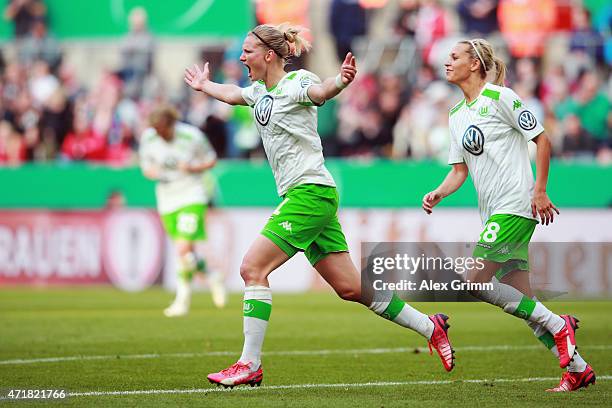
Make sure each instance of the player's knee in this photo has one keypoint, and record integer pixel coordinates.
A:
(250, 272)
(188, 261)
(349, 293)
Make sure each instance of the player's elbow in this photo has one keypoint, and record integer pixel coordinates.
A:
(460, 171)
(542, 140)
(316, 94)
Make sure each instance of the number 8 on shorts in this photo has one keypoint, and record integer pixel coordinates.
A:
(490, 233)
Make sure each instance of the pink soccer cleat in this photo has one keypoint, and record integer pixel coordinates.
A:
(439, 340)
(237, 374)
(574, 381)
(566, 341)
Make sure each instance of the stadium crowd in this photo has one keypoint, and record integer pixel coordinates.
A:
(559, 54)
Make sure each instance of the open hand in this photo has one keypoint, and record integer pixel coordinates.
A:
(541, 205)
(196, 77)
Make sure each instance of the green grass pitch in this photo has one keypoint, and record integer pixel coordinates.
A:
(319, 352)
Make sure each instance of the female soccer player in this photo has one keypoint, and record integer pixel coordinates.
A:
(490, 130)
(176, 155)
(284, 106)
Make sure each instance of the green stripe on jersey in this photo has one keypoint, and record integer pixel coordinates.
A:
(395, 307)
(257, 309)
(292, 75)
(489, 93)
(456, 108)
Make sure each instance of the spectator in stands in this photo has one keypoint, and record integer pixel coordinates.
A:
(412, 132)
(554, 87)
(356, 104)
(12, 145)
(241, 134)
(525, 25)
(577, 142)
(137, 52)
(115, 200)
(347, 21)
(24, 118)
(527, 74)
(405, 25)
(479, 17)
(210, 116)
(23, 14)
(432, 24)
(40, 46)
(55, 119)
(42, 83)
(584, 38)
(113, 117)
(13, 83)
(82, 143)
(591, 106)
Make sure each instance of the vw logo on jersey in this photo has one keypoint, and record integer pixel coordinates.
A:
(263, 109)
(305, 81)
(473, 140)
(527, 121)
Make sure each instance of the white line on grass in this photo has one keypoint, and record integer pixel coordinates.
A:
(283, 353)
(305, 386)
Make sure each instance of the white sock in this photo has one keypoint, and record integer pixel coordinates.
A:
(577, 365)
(183, 291)
(516, 303)
(391, 307)
(257, 308)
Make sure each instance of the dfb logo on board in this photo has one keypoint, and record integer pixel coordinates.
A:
(473, 140)
(527, 121)
(263, 109)
(132, 251)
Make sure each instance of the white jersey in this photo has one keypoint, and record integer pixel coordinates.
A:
(490, 136)
(286, 120)
(176, 189)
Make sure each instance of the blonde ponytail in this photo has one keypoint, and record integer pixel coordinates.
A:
(297, 43)
(500, 71)
(285, 40)
(482, 51)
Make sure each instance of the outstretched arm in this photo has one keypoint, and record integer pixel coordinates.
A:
(199, 79)
(454, 179)
(331, 87)
(541, 204)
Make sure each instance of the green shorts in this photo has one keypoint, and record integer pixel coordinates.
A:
(505, 240)
(307, 220)
(186, 223)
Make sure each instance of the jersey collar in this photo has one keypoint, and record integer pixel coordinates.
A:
(469, 105)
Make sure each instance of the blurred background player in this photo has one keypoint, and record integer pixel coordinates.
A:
(176, 155)
(284, 106)
(490, 130)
